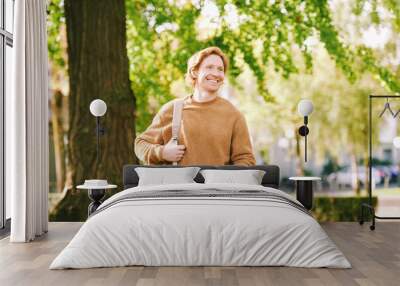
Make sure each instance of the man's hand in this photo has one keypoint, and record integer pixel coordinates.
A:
(173, 152)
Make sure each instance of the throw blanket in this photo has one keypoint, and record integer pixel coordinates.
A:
(201, 224)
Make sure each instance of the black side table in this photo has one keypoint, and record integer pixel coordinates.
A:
(304, 190)
(96, 194)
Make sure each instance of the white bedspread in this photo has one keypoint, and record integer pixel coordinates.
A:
(182, 231)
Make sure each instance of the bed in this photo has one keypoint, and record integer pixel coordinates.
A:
(198, 224)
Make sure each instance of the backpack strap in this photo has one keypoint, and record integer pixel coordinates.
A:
(177, 118)
(176, 121)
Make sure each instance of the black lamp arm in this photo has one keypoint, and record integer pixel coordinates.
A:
(305, 148)
(305, 138)
(303, 131)
(99, 132)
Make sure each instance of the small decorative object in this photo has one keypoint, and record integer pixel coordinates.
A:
(96, 184)
(98, 108)
(96, 191)
(305, 108)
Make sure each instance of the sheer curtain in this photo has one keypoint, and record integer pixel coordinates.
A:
(27, 124)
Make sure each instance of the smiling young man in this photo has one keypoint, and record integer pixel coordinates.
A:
(213, 131)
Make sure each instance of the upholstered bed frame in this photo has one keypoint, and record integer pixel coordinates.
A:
(201, 225)
(270, 179)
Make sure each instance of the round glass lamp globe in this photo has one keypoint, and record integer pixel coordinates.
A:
(305, 107)
(98, 107)
(396, 142)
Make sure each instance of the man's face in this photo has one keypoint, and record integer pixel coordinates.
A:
(210, 74)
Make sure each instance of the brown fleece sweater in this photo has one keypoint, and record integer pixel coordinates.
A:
(214, 133)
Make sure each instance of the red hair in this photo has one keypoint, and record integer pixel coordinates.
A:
(195, 61)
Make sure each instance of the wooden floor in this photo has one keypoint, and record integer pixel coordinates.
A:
(375, 256)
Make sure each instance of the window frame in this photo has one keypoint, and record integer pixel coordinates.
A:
(6, 39)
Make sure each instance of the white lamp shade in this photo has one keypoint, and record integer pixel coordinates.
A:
(396, 142)
(305, 107)
(98, 107)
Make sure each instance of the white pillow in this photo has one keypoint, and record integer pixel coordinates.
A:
(249, 177)
(162, 176)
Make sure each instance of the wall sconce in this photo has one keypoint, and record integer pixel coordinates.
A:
(98, 108)
(305, 108)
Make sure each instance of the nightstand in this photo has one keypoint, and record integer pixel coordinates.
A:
(304, 190)
(96, 191)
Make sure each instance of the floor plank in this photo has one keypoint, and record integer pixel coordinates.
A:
(374, 255)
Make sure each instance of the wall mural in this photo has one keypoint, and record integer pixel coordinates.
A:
(219, 83)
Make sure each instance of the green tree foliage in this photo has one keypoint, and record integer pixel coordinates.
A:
(55, 21)
(162, 35)
(266, 38)
(338, 125)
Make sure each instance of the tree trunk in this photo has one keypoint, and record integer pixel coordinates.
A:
(56, 105)
(98, 68)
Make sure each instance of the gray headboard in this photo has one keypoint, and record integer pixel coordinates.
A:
(270, 179)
